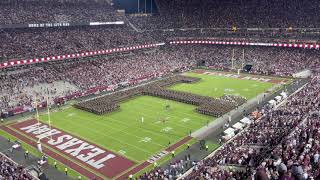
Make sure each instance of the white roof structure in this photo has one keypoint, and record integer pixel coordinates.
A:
(246, 120)
(284, 95)
(229, 131)
(227, 137)
(278, 98)
(272, 102)
(238, 125)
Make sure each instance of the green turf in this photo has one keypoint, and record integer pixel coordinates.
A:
(217, 86)
(123, 132)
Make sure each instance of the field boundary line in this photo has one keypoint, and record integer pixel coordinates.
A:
(126, 127)
(58, 153)
(117, 139)
(37, 156)
(110, 149)
(105, 135)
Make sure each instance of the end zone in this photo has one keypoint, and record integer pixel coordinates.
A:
(80, 155)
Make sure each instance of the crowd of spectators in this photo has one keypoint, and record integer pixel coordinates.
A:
(172, 13)
(11, 171)
(175, 169)
(226, 14)
(124, 69)
(38, 11)
(44, 42)
(264, 60)
(87, 74)
(298, 154)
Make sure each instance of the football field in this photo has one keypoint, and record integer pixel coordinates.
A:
(124, 132)
(143, 127)
(217, 86)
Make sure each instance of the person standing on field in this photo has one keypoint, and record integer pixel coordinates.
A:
(66, 171)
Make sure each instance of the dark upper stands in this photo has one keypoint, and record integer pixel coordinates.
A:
(229, 13)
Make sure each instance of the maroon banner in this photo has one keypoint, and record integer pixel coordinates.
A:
(73, 56)
(289, 45)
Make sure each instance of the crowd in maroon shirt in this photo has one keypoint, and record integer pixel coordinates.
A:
(11, 171)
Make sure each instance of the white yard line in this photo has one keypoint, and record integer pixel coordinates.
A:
(181, 126)
(103, 135)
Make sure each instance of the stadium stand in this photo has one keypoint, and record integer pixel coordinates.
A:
(11, 170)
(232, 13)
(80, 76)
(282, 144)
(44, 42)
(37, 11)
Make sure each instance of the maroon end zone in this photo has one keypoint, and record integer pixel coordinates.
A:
(256, 77)
(87, 154)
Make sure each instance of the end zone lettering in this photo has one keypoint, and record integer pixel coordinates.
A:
(87, 158)
(73, 146)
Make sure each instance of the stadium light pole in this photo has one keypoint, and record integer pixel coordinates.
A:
(145, 6)
(151, 6)
(138, 6)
